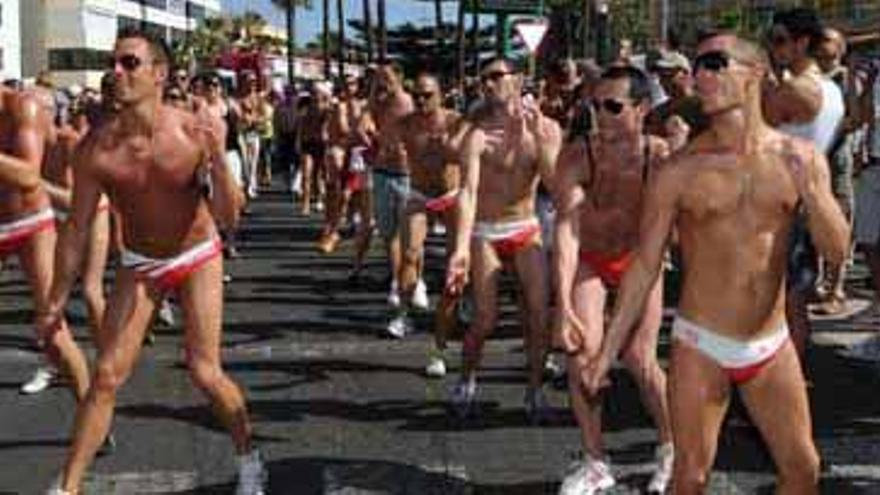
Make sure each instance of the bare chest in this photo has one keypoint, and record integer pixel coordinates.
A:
(143, 168)
(509, 153)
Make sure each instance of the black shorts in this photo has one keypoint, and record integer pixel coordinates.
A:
(315, 149)
(803, 260)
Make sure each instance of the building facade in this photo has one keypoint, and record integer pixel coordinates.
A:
(73, 38)
(10, 40)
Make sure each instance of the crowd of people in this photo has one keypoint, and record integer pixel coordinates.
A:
(745, 165)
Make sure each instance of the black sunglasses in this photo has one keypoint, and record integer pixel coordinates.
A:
(493, 76)
(425, 95)
(610, 105)
(174, 96)
(129, 63)
(714, 61)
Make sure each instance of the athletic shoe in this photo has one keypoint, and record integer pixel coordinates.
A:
(587, 477)
(55, 488)
(436, 365)
(394, 295)
(251, 474)
(438, 229)
(553, 369)
(327, 243)
(319, 206)
(537, 408)
(420, 296)
(463, 396)
(399, 326)
(41, 380)
(166, 314)
(665, 455)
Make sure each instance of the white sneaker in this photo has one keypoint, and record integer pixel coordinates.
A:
(420, 296)
(319, 206)
(41, 380)
(251, 475)
(436, 365)
(438, 229)
(399, 326)
(665, 456)
(463, 396)
(55, 488)
(587, 477)
(394, 295)
(166, 313)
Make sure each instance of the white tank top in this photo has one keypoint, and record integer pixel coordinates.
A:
(822, 129)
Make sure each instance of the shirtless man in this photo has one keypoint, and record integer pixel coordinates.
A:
(431, 137)
(391, 181)
(343, 119)
(27, 224)
(148, 158)
(732, 194)
(600, 190)
(803, 103)
(507, 151)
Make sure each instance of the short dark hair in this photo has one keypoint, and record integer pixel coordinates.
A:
(801, 22)
(639, 86)
(510, 64)
(158, 48)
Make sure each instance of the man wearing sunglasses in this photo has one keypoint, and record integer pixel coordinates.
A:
(732, 194)
(601, 186)
(152, 159)
(509, 149)
(27, 229)
(680, 117)
(431, 137)
(802, 102)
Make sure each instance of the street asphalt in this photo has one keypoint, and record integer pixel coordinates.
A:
(339, 409)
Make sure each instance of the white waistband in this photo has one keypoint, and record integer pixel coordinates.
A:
(155, 267)
(727, 352)
(32, 219)
(496, 231)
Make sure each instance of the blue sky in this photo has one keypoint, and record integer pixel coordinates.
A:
(308, 22)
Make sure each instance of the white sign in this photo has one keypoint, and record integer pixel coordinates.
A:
(532, 32)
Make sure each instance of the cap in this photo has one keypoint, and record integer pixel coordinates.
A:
(672, 60)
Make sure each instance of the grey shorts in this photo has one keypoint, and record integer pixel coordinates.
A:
(389, 191)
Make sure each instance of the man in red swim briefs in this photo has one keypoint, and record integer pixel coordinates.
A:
(164, 172)
(602, 180)
(732, 195)
(509, 148)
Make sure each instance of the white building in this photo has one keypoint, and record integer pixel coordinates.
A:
(10, 40)
(73, 38)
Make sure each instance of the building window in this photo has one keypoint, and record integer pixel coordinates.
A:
(156, 4)
(65, 59)
(177, 7)
(151, 28)
(195, 11)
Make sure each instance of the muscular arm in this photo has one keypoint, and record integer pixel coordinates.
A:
(224, 202)
(73, 242)
(827, 225)
(467, 197)
(30, 137)
(18, 173)
(658, 216)
(568, 198)
(549, 143)
(792, 101)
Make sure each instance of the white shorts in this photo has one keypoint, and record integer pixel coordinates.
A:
(867, 218)
(233, 161)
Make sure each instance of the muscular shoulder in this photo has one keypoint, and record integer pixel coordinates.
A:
(27, 109)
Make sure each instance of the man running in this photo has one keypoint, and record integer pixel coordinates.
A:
(150, 158)
(732, 194)
(508, 150)
(27, 228)
(313, 136)
(431, 137)
(600, 189)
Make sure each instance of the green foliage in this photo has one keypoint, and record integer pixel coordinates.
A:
(215, 35)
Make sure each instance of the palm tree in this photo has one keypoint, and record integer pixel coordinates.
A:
(368, 30)
(383, 31)
(290, 8)
(340, 49)
(203, 46)
(325, 37)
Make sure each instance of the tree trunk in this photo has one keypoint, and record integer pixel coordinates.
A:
(459, 38)
(438, 34)
(291, 41)
(325, 38)
(340, 49)
(368, 30)
(383, 32)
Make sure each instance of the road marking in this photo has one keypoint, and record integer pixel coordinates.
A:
(141, 482)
